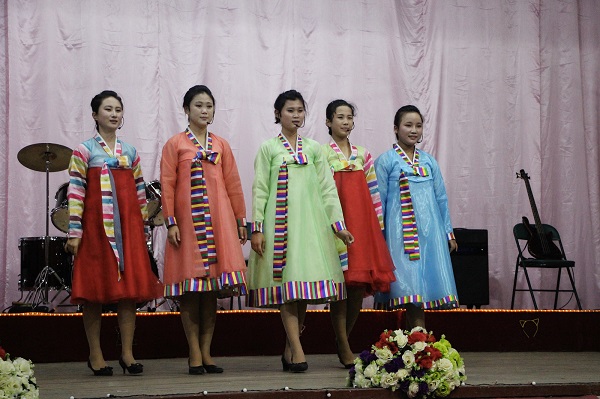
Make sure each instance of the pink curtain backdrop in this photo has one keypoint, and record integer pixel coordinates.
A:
(503, 85)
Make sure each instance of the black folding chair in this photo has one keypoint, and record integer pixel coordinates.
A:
(521, 238)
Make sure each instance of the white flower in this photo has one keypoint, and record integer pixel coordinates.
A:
(433, 385)
(409, 359)
(6, 367)
(400, 338)
(444, 365)
(388, 380)
(384, 354)
(413, 389)
(402, 374)
(419, 346)
(22, 366)
(371, 370)
(362, 382)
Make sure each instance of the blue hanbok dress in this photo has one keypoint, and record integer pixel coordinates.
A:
(423, 277)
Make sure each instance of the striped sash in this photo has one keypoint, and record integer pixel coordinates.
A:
(200, 207)
(111, 219)
(409, 222)
(281, 206)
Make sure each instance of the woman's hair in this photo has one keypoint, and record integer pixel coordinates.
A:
(285, 96)
(98, 98)
(333, 106)
(406, 110)
(193, 92)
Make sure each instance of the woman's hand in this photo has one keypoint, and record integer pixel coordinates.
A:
(72, 245)
(453, 245)
(173, 235)
(243, 234)
(345, 236)
(257, 241)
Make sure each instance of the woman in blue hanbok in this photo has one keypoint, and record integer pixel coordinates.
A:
(418, 230)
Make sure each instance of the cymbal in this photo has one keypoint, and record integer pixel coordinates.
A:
(34, 157)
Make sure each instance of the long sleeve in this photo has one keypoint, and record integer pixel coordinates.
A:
(260, 186)
(331, 200)
(441, 198)
(233, 184)
(140, 186)
(168, 180)
(372, 183)
(78, 167)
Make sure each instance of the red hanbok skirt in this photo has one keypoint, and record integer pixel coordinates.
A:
(369, 260)
(95, 269)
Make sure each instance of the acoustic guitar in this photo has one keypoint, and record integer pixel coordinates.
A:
(539, 244)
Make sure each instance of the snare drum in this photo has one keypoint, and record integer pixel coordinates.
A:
(60, 214)
(153, 198)
(33, 261)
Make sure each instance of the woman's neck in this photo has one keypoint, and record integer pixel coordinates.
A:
(109, 137)
(408, 150)
(199, 132)
(343, 144)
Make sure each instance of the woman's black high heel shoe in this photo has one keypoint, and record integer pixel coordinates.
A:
(285, 364)
(298, 367)
(104, 371)
(133, 368)
(195, 370)
(213, 369)
(346, 365)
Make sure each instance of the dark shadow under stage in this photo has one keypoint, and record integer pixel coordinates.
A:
(505, 352)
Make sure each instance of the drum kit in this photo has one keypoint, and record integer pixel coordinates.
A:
(45, 264)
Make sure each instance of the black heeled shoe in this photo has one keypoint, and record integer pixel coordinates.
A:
(285, 364)
(105, 371)
(195, 370)
(298, 367)
(213, 369)
(133, 368)
(346, 365)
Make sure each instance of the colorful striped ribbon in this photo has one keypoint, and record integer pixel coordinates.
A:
(111, 218)
(342, 157)
(201, 217)
(409, 222)
(281, 206)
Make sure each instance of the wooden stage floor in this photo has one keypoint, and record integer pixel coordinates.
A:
(489, 375)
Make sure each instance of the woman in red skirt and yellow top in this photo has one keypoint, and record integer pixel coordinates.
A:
(370, 267)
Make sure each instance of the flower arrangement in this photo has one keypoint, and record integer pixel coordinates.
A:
(413, 362)
(16, 378)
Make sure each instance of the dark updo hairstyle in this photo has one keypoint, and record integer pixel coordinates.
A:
(285, 96)
(193, 92)
(333, 106)
(98, 98)
(406, 110)
(403, 111)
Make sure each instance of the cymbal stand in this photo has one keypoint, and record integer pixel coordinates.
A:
(40, 293)
(172, 304)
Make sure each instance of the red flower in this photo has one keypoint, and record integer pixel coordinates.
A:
(2, 353)
(384, 341)
(434, 353)
(430, 339)
(425, 362)
(417, 336)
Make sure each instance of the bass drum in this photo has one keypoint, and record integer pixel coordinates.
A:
(33, 261)
(60, 214)
(153, 199)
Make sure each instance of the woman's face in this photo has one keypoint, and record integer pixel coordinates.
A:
(291, 116)
(341, 123)
(201, 111)
(109, 115)
(410, 130)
